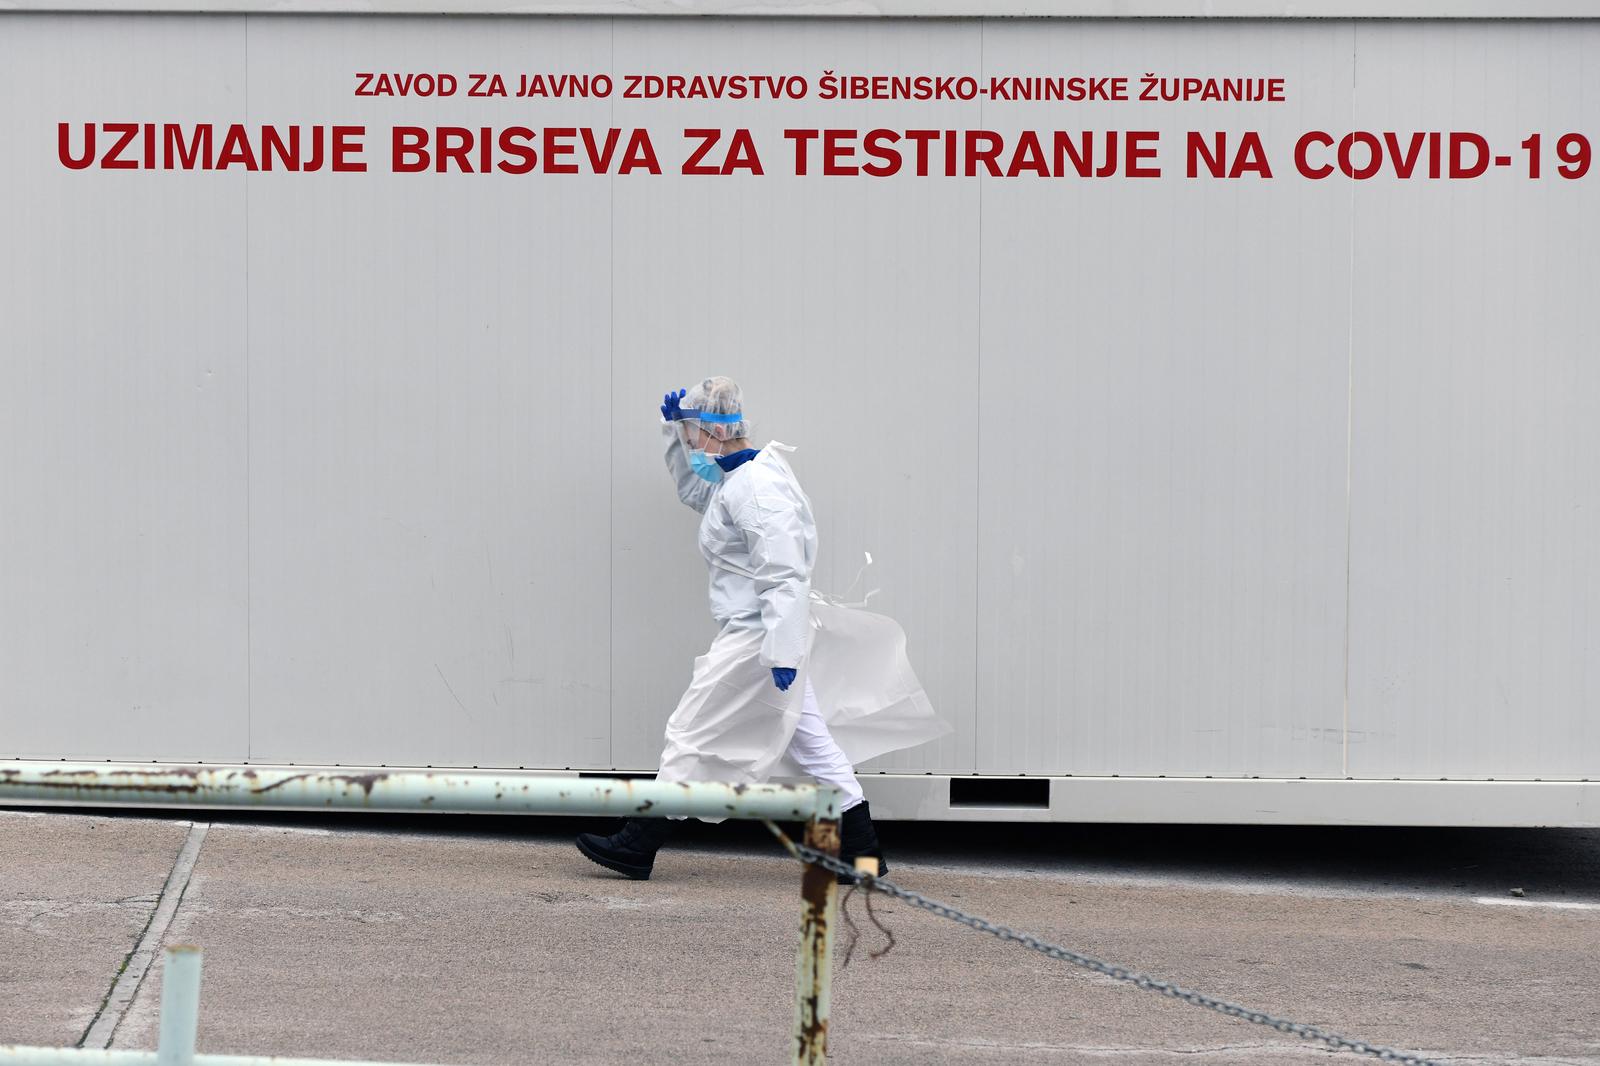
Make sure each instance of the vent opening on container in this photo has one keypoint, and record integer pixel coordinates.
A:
(1031, 792)
(614, 773)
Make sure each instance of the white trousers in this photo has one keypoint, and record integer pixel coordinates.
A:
(814, 750)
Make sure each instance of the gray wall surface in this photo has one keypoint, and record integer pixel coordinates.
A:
(1173, 476)
(864, 9)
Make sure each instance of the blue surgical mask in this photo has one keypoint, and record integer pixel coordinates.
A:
(705, 466)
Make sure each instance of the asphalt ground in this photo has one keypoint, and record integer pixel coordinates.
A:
(491, 940)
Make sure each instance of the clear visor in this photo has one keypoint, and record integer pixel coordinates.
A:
(709, 433)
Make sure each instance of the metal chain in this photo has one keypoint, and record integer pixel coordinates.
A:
(1116, 973)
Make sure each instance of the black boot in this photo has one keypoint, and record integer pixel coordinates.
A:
(857, 839)
(631, 851)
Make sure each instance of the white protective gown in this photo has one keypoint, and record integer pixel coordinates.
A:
(733, 724)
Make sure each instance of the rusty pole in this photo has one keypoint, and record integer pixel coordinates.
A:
(819, 896)
(329, 788)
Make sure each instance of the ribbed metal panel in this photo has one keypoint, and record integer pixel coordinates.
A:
(1162, 562)
(1475, 496)
(903, 9)
(1162, 476)
(850, 320)
(123, 398)
(430, 426)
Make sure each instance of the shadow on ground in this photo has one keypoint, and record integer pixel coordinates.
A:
(1545, 864)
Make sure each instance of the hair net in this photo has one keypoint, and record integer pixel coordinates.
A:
(718, 396)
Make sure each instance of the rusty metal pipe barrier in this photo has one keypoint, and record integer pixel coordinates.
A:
(464, 792)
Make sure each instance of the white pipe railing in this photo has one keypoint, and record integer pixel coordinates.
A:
(444, 792)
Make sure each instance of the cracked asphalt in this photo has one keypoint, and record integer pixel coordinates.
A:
(490, 940)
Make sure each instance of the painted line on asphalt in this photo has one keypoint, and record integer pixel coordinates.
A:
(126, 986)
(1557, 905)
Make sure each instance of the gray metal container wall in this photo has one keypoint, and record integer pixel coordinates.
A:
(1175, 477)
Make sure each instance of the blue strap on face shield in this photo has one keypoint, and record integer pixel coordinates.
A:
(707, 416)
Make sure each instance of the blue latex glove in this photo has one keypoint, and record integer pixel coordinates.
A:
(669, 406)
(783, 677)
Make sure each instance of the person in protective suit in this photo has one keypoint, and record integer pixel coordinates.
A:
(751, 708)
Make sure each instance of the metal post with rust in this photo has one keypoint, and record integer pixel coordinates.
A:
(332, 788)
(819, 893)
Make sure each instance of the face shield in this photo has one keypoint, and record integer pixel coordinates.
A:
(704, 435)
